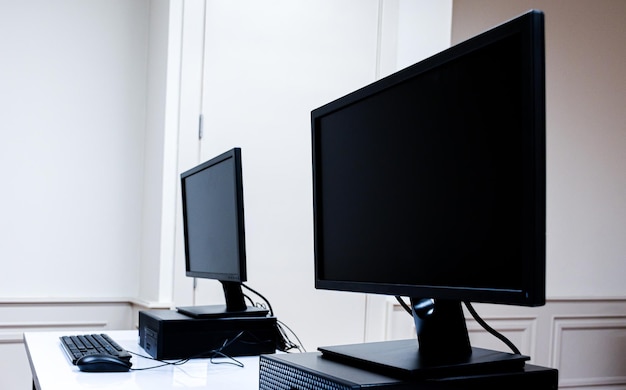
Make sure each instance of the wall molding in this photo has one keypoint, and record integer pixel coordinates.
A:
(597, 326)
(13, 333)
(61, 300)
(41, 325)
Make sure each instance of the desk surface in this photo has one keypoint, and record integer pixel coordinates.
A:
(52, 369)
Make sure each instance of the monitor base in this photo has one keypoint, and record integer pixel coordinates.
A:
(219, 311)
(401, 359)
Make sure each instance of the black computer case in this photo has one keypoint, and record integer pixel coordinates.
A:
(167, 334)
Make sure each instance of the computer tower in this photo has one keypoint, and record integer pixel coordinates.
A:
(311, 371)
(167, 334)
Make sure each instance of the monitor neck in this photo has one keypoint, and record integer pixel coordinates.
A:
(234, 296)
(441, 330)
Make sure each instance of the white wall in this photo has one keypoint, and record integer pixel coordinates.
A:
(161, 152)
(80, 141)
(72, 102)
(412, 30)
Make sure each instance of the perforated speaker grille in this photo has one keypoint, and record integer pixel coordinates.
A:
(274, 375)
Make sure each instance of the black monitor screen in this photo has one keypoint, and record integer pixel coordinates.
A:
(213, 219)
(431, 182)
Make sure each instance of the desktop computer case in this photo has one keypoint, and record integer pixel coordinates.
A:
(311, 371)
(167, 334)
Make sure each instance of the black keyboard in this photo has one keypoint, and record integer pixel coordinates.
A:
(91, 344)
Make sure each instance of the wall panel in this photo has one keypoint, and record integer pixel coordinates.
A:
(590, 350)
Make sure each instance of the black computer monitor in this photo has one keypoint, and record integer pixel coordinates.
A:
(214, 232)
(430, 184)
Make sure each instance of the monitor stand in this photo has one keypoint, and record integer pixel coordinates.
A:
(220, 311)
(443, 350)
(235, 305)
(401, 359)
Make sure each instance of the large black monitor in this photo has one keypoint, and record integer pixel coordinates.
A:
(430, 184)
(214, 232)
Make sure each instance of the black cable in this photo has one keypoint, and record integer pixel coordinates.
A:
(262, 297)
(249, 299)
(226, 344)
(284, 344)
(211, 354)
(489, 329)
(404, 305)
(293, 345)
(164, 363)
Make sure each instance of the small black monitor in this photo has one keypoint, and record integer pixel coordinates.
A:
(214, 232)
(430, 184)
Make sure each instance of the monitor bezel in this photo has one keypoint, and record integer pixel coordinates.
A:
(530, 25)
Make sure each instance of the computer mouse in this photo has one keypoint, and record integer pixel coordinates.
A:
(102, 363)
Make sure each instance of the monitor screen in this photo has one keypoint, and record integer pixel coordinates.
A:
(430, 183)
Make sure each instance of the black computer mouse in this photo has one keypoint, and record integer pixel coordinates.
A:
(102, 363)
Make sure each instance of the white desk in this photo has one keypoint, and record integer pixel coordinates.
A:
(51, 368)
